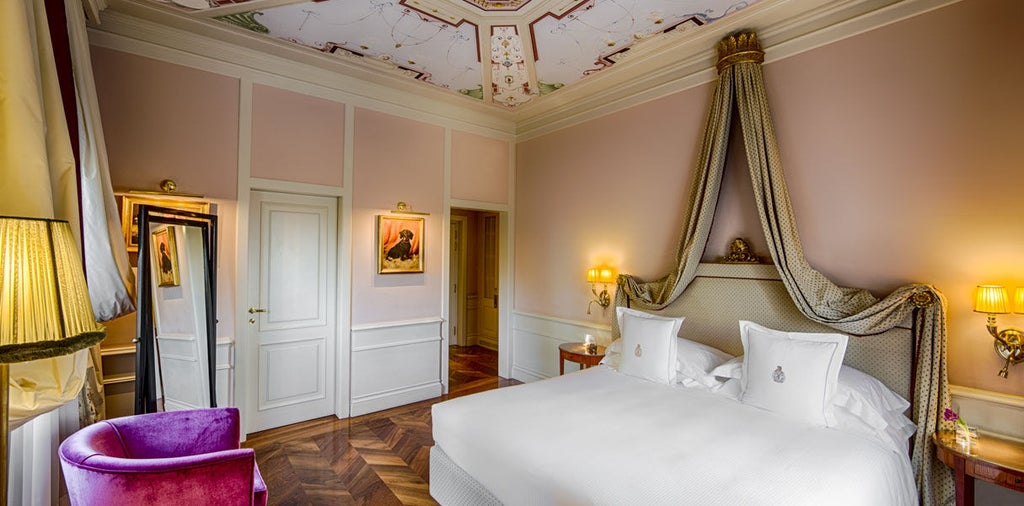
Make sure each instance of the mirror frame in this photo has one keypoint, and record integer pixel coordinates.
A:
(145, 326)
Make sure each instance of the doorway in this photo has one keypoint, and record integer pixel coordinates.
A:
(473, 300)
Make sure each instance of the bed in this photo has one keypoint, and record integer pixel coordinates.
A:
(605, 436)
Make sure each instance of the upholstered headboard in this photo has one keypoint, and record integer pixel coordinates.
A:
(723, 294)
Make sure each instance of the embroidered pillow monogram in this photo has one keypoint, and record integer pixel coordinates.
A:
(778, 376)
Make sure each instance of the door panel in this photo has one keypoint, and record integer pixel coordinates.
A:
(489, 304)
(292, 302)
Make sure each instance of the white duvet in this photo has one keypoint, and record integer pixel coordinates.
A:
(601, 437)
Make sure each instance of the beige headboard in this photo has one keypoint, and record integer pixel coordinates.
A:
(723, 294)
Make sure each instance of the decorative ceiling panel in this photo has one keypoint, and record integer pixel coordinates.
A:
(422, 46)
(588, 38)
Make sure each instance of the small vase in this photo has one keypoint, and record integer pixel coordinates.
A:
(966, 437)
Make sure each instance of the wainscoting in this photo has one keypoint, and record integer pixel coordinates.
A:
(535, 340)
(395, 363)
(119, 377)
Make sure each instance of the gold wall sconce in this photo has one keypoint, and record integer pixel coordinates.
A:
(603, 275)
(993, 300)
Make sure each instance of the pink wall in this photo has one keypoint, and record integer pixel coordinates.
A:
(899, 145)
(479, 168)
(297, 137)
(168, 121)
(395, 160)
(611, 191)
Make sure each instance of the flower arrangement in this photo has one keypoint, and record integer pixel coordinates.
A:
(950, 416)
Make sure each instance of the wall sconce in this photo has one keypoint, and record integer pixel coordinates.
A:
(993, 300)
(603, 275)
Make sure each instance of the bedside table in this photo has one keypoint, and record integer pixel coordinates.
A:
(992, 459)
(577, 352)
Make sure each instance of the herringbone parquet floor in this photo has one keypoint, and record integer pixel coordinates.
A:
(376, 459)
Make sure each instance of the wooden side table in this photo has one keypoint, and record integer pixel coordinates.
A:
(577, 352)
(992, 459)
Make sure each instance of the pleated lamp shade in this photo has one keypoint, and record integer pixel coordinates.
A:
(44, 302)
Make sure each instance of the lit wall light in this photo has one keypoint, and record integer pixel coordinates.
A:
(603, 275)
(993, 300)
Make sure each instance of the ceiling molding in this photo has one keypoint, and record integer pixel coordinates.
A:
(220, 41)
(653, 68)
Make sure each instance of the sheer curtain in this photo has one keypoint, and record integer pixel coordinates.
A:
(851, 310)
(38, 178)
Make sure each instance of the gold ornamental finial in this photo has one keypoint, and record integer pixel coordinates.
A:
(739, 48)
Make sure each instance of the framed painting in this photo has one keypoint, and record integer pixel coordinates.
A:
(130, 215)
(166, 253)
(399, 244)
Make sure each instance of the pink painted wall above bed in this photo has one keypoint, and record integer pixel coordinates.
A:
(396, 159)
(297, 137)
(480, 168)
(900, 146)
(163, 120)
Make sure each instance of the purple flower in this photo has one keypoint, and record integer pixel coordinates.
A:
(950, 416)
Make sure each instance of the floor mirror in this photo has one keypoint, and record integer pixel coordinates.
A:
(176, 324)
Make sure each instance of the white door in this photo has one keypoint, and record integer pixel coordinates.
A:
(292, 291)
(457, 331)
(489, 303)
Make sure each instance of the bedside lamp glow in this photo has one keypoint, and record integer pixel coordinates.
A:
(993, 300)
(603, 275)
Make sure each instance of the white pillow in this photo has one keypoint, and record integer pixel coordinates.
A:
(694, 361)
(730, 369)
(648, 345)
(792, 374)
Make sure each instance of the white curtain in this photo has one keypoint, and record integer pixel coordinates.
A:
(38, 179)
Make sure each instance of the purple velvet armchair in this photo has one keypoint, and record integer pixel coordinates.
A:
(178, 457)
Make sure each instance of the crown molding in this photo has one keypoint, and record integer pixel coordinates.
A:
(363, 84)
(784, 29)
(653, 68)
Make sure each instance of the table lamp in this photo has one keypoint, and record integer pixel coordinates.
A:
(45, 310)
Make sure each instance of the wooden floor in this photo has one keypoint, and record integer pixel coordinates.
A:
(376, 459)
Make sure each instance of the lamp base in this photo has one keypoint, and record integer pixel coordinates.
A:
(1008, 346)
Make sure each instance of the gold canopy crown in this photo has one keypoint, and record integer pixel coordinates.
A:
(739, 48)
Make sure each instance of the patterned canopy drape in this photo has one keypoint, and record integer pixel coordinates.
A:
(849, 310)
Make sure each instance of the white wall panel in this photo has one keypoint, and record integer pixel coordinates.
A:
(395, 363)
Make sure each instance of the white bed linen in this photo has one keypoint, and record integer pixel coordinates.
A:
(600, 437)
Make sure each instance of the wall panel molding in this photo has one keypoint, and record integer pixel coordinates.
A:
(395, 363)
(536, 339)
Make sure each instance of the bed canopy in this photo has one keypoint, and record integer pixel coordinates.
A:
(849, 310)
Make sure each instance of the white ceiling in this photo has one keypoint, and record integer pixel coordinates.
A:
(527, 62)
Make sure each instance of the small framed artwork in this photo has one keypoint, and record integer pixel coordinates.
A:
(399, 244)
(130, 218)
(166, 254)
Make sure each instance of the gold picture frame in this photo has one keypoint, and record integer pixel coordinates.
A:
(165, 250)
(399, 244)
(129, 214)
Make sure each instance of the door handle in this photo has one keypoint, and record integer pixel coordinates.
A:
(495, 301)
(257, 310)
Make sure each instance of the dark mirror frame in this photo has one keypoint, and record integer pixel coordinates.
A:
(145, 356)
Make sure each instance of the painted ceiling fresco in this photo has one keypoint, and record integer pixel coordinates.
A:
(506, 52)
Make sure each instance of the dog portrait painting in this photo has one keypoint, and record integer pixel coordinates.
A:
(399, 244)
